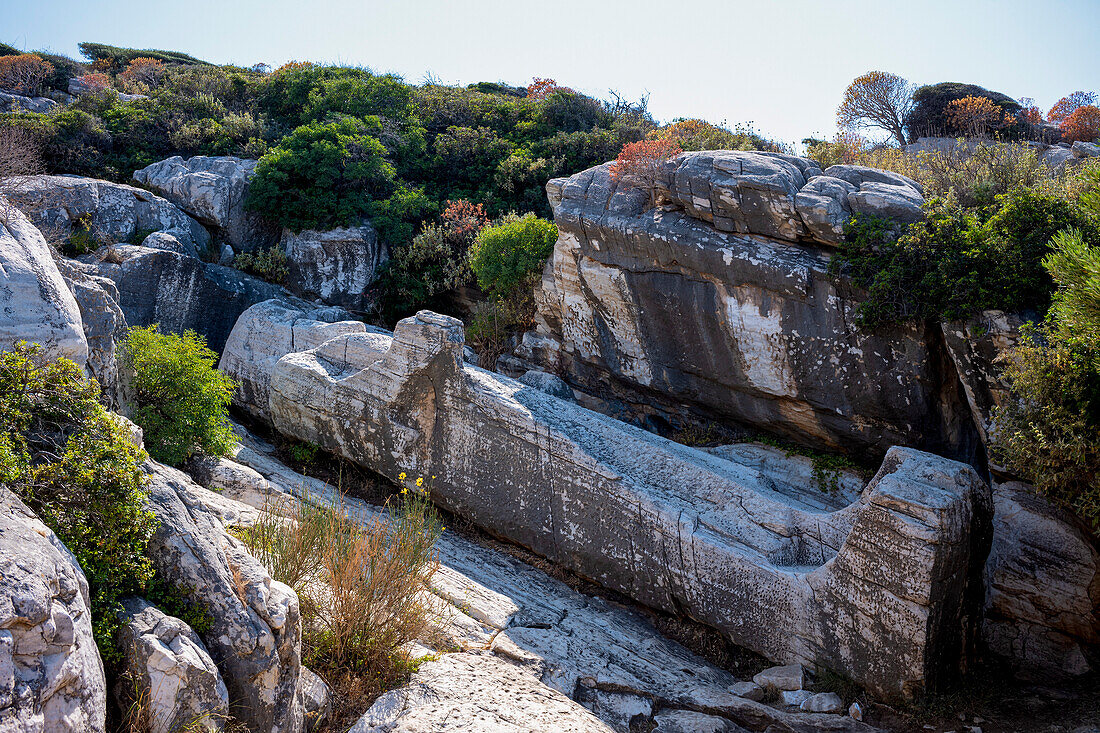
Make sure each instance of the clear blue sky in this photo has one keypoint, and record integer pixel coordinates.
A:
(781, 64)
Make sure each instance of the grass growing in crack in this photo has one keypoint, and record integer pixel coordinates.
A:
(362, 582)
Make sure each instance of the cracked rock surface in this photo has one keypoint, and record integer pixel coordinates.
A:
(607, 661)
(51, 676)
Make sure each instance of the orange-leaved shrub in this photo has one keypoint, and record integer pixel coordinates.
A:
(23, 73)
(543, 88)
(143, 73)
(639, 164)
(978, 116)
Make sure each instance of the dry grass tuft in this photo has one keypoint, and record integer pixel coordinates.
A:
(362, 581)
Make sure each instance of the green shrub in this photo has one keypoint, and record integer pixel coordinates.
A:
(1051, 433)
(269, 264)
(434, 263)
(78, 469)
(180, 398)
(957, 262)
(504, 255)
(118, 57)
(324, 174)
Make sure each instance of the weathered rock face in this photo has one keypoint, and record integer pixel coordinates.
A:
(51, 676)
(35, 304)
(180, 292)
(11, 102)
(678, 316)
(213, 190)
(337, 266)
(975, 347)
(600, 654)
(673, 527)
(103, 321)
(255, 637)
(168, 667)
(111, 211)
(1043, 573)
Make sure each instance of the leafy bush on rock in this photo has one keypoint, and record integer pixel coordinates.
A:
(77, 467)
(322, 175)
(180, 398)
(957, 261)
(504, 255)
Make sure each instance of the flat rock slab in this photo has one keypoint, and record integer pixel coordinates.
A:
(476, 692)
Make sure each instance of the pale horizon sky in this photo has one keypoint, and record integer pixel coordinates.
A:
(781, 65)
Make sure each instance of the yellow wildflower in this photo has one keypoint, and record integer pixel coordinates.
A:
(401, 476)
(420, 482)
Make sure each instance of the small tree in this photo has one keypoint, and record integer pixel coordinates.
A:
(23, 73)
(977, 116)
(180, 398)
(1081, 124)
(1065, 106)
(639, 164)
(878, 99)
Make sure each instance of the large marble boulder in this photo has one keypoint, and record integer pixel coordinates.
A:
(213, 190)
(166, 666)
(737, 191)
(884, 587)
(600, 653)
(337, 266)
(35, 303)
(976, 347)
(179, 292)
(110, 211)
(1043, 604)
(823, 205)
(51, 676)
(254, 636)
(673, 317)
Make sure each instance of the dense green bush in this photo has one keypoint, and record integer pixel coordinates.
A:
(117, 57)
(324, 174)
(180, 398)
(269, 264)
(957, 261)
(505, 255)
(1051, 433)
(78, 469)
